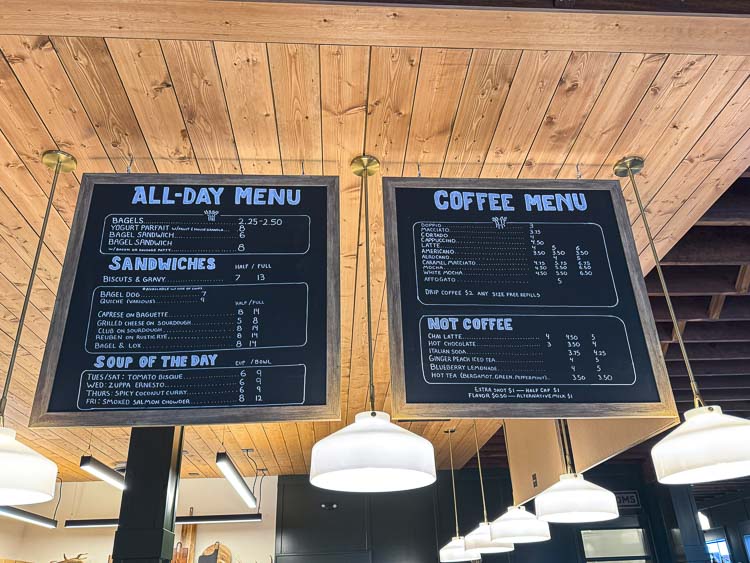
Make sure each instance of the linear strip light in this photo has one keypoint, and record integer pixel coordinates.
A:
(28, 517)
(232, 474)
(220, 518)
(102, 471)
(205, 519)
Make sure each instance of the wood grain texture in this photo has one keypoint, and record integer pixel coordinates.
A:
(459, 112)
(249, 96)
(454, 27)
(40, 72)
(144, 74)
(195, 76)
(533, 87)
(442, 73)
(94, 76)
(579, 87)
(295, 70)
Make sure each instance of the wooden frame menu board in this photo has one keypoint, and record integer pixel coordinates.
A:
(518, 298)
(194, 299)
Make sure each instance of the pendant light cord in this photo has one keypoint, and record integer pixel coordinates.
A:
(697, 399)
(366, 195)
(481, 479)
(562, 426)
(453, 481)
(27, 297)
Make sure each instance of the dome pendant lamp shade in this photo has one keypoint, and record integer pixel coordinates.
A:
(574, 500)
(481, 540)
(708, 446)
(372, 455)
(25, 476)
(455, 550)
(519, 526)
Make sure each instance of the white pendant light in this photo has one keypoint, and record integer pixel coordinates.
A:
(574, 500)
(25, 476)
(708, 446)
(456, 549)
(480, 538)
(371, 455)
(518, 525)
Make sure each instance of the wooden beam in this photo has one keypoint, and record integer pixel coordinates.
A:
(743, 279)
(731, 209)
(687, 281)
(454, 27)
(739, 382)
(715, 307)
(717, 331)
(712, 246)
(710, 368)
(713, 352)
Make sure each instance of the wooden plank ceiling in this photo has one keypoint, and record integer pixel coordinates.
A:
(708, 277)
(255, 108)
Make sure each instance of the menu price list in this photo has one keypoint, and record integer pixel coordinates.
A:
(526, 349)
(192, 387)
(512, 263)
(199, 317)
(211, 233)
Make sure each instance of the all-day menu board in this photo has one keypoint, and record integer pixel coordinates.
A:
(518, 299)
(196, 299)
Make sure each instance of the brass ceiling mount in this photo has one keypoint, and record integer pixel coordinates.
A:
(365, 164)
(632, 163)
(66, 160)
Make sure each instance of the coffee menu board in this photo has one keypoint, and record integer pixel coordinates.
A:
(518, 298)
(196, 299)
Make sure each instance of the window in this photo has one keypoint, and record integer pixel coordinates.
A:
(718, 551)
(624, 545)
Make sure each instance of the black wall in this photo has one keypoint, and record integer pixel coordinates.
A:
(410, 527)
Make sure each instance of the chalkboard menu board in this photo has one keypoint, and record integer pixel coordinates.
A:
(196, 299)
(519, 298)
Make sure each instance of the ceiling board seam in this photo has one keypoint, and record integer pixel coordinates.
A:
(226, 106)
(130, 104)
(411, 114)
(632, 113)
(320, 108)
(275, 108)
(455, 113)
(500, 113)
(522, 161)
(708, 173)
(80, 101)
(10, 198)
(196, 160)
(646, 250)
(591, 112)
(625, 183)
(36, 111)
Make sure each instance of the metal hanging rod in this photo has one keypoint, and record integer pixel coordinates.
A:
(628, 167)
(59, 161)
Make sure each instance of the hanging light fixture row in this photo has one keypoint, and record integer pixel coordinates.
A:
(27, 477)
(456, 549)
(709, 445)
(480, 539)
(371, 455)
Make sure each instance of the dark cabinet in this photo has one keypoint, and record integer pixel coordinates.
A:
(317, 526)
